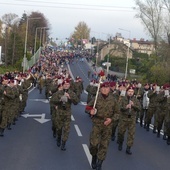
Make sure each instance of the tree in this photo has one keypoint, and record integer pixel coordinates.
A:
(150, 14)
(10, 21)
(13, 36)
(81, 32)
(167, 19)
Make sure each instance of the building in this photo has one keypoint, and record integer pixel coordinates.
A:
(142, 46)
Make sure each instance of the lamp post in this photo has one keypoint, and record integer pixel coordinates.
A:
(40, 36)
(25, 47)
(97, 53)
(108, 64)
(126, 68)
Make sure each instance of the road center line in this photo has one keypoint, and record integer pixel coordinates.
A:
(78, 130)
(86, 150)
(72, 118)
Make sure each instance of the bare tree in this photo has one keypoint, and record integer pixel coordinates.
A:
(150, 14)
(167, 19)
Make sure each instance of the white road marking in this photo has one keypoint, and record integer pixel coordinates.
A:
(151, 127)
(72, 118)
(78, 130)
(86, 150)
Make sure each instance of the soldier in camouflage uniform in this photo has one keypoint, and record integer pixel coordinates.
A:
(145, 104)
(78, 86)
(167, 120)
(153, 107)
(62, 101)
(47, 84)
(15, 106)
(129, 105)
(9, 97)
(52, 106)
(102, 118)
(91, 89)
(25, 83)
(116, 93)
(162, 109)
(2, 116)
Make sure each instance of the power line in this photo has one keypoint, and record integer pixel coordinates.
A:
(64, 7)
(102, 6)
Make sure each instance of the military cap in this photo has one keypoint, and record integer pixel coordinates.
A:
(112, 84)
(130, 88)
(105, 84)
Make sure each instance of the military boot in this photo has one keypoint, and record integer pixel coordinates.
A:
(168, 140)
(164, 137)
(147, 127)
(144, 126)
(1, 132)
(59, 141)
(158, 134)
(9, 126)
(154, 129)
(99, 165)
(63, 146)
(128, 151)
(120, 146)
(54, 131)
(113, 137)
(94, 161)
(141, 123)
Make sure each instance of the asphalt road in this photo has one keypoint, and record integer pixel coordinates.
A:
(31, 146)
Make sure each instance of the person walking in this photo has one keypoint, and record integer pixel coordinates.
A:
(102, 117)
(129, 105)
(63, 99)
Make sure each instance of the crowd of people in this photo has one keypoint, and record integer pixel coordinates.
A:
(136, 103)
(115, 106)
(13, 98)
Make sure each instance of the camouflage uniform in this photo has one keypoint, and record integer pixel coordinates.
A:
(162, 110)
(152, 109)
(1, 110)
(91, 89)
(48, 82)
(127, 120)
(117, 96)
(15, 106)
(78, 88)
(25, 85)
(9, 102)
(101, 134)
(63, 114)
(53, 90)
(167, 120)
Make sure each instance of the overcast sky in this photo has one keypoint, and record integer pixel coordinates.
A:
(103, 17)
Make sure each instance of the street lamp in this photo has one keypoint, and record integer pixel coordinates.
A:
(25, 47)
(35, 43)
(126, 69)
(97, 54)
(108, 64)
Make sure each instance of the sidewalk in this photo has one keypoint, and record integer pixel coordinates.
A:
(98, 69)
(118, 74)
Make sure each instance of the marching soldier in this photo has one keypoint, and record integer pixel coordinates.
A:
(129, 105)
(145, 104)
(152, 108)
(62, 101)
(78, 86)
(9, 97)
(102, 118)
(3, 117)
(91, 89)
(116, 94)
